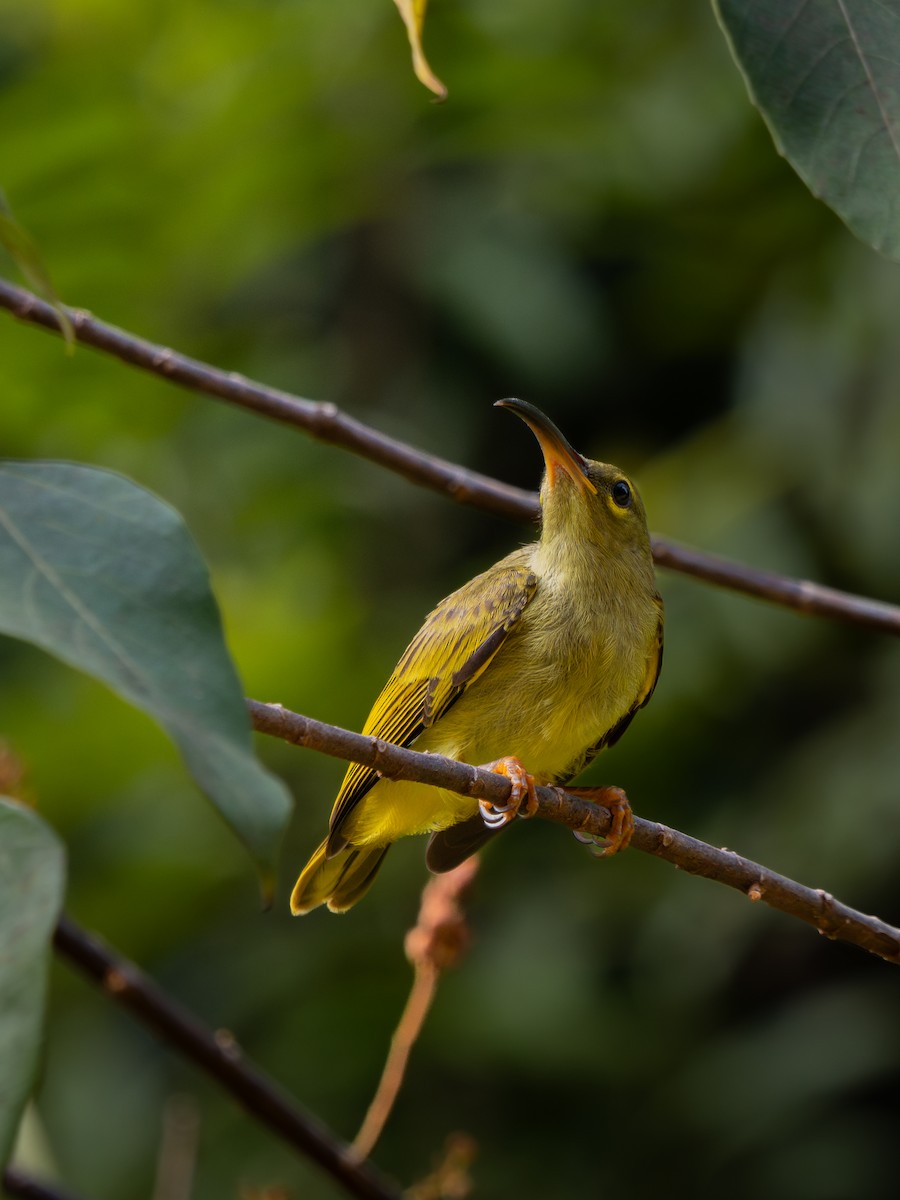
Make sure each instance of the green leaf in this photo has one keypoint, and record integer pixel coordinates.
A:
(32, 871)
(105, 576)
(826, 76)
(23, 250)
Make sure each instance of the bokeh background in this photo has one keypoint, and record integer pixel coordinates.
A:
(596, 221)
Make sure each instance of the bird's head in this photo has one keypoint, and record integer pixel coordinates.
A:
(583, 502)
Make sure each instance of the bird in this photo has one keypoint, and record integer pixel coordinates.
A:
(531, 668)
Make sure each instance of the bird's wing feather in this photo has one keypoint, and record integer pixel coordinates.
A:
(455, 644)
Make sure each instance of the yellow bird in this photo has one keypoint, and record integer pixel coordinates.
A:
(542, 660)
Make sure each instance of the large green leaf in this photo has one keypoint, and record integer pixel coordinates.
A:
(105, 576)
(826, 76)
(32, 869)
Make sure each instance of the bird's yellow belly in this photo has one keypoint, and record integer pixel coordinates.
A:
(398, 808)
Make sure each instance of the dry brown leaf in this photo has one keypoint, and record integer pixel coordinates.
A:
(413, 14)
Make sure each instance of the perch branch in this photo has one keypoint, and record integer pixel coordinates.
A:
(812, 905)
(327, 423)
(219, 1055)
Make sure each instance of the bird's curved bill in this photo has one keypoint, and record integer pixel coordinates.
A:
(558, 454)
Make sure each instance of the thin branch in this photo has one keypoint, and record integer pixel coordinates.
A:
(801, 594)
(176, 1161)
(405, 1036)
(322, 420)
(451, 1178)
(437, 941)
(812, 905)
(327, 423)
(219, 1055)
(26, 1187)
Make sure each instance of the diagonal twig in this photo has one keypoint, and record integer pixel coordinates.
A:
(219, 1055)
(322, 420)
(812, 905)
(327, 423)
(437, 941)
(801, 594)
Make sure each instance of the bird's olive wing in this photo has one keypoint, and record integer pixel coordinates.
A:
(449, 652)
(654, 663)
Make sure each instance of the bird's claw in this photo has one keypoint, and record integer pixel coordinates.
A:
(492, 815)
(621, 827)
(522, 798)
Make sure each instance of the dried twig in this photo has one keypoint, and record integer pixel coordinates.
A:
(219, 1055)
(819, 909)
(176, 1162)
(451, 1178)
(329, 424)
(435, 943)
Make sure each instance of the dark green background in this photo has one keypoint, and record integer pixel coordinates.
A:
(596, 221)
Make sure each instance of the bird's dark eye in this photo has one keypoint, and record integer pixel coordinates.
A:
(621, 494)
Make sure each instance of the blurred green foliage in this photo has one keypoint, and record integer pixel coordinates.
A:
(597, 221)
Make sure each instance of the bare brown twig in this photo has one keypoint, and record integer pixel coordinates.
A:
(176, 1162)
(436, 942)
(329, 424)
(321, 420)
(219, 1055)
(814, 906)
(450, 1179)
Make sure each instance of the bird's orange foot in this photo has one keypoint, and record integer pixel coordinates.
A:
(622, 826)
(522, 799)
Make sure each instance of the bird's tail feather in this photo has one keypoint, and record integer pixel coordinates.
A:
(449, 847)
(338, 881)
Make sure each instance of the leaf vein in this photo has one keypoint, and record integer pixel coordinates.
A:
(41, 568)
(892, 134)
